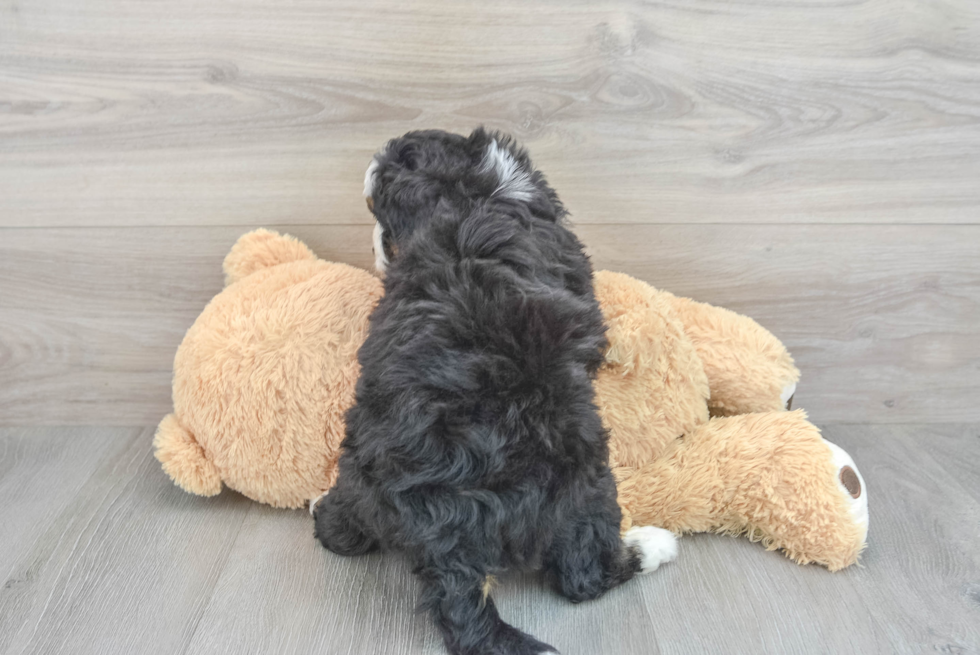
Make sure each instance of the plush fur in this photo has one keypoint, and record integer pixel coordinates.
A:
(768, 475)
(243, 414)
(474, 444)
(277, 383)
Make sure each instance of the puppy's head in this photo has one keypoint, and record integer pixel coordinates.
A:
(416, 176)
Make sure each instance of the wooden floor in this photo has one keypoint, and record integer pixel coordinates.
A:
(102, 554)
(813, 163)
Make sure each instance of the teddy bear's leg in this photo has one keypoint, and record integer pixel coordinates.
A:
(769, 476)
(337, 524)
(749, 369)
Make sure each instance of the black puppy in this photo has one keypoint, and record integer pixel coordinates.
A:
(474, 445)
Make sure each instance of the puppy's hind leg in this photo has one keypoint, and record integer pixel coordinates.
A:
(456, 595)
(337, 526)
(588, 557)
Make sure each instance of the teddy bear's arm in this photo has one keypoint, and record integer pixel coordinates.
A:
(652, 386)
(748, 369)
(769, 476)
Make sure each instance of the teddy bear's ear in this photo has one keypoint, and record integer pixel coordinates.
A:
(184, 460)
(261, 249)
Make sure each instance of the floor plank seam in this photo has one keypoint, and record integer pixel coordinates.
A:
(217, 580)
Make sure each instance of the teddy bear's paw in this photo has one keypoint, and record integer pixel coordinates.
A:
(787, 396)
(851, 485)
(655, 545)
(316, 501)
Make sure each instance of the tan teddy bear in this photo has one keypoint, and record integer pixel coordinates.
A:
(265, 374)
(758, 470)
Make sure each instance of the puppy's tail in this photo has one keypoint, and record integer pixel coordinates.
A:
(462, 608)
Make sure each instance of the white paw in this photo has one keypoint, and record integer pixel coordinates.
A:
(787, 394)
(316, 501)
(656, 546)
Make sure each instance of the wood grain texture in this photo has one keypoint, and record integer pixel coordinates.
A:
(928, 504)
(91, 319)
(242, 112)
(127, 563)
(881, 319)
(39, 476)
(123, 565)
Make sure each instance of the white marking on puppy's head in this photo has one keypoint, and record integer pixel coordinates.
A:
(859, 505)
(369, 177)
(514, 182)
(380, 260)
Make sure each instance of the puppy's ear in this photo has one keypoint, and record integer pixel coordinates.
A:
(480, 138)
(517, 179)
(512, 170)
(371, 180)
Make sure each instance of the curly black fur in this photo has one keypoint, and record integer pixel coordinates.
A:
(474, 444)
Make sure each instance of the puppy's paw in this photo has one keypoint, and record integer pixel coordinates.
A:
(316, 501)
(655, 546)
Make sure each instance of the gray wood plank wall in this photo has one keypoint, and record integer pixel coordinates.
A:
(883, 320)
(816, 166)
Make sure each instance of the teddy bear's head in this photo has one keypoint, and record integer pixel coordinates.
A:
(264, 376)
